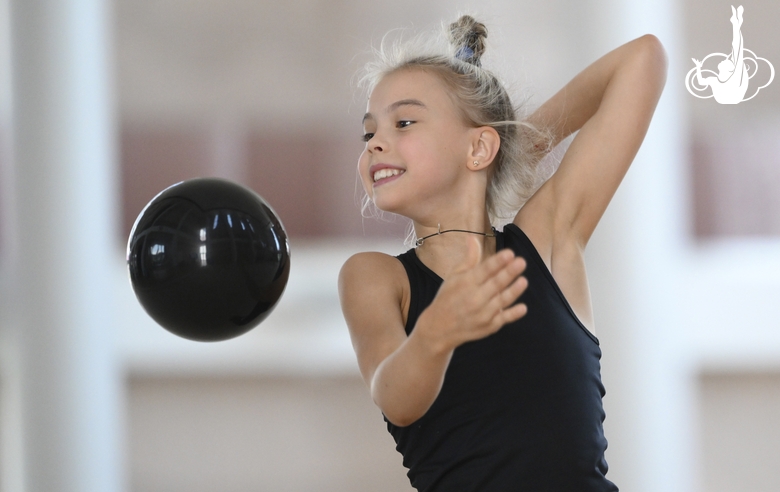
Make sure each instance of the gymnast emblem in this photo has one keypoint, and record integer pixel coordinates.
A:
(735, 70)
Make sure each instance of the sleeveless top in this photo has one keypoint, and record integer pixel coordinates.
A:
(520, 410)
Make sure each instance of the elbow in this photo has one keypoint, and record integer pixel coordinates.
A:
(649, 63)
(399, 421)
(653, 54)
(653, 45)
(396, 416)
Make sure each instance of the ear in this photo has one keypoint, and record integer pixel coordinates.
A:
(485, 143)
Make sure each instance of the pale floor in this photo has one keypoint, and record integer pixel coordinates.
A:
(740, 422)
(240, 435)
(296, 434)
(326, 435)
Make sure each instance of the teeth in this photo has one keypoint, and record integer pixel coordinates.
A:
(386, 173)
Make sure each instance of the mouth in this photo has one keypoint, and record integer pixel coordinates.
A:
(386, 173)
(382, 173)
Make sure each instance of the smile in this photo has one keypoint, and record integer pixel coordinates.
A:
(387, 173)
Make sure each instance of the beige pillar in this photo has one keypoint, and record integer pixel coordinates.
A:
(636, 259)
(65, 378)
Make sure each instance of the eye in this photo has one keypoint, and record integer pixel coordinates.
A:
(366, 137)
(404, 123)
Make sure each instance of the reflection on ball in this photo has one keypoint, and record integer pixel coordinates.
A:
(208, 259)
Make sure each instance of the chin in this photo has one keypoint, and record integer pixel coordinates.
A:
(389, 206)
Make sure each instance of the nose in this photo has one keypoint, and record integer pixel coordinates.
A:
(376, 144)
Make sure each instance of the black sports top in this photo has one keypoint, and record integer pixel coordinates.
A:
(519, 410)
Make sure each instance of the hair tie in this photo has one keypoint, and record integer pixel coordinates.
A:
(466, 54)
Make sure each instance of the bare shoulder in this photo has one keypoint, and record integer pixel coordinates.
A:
(374, 294)
(371, 270)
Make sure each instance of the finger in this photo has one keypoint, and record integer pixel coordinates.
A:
(490, 267)
(473, 255)
(491, 305)
(505, 306)
(510, 315)
(503, 277)
(515, 312)
(506, 297)
(514, 291)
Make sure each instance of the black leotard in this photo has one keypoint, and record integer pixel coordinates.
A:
(519, 410)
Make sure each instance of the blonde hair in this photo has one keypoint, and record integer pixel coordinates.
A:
(482, 100)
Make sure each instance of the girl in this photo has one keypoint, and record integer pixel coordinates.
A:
(478, 344)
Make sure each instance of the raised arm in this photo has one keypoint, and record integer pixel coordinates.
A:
(611, 104)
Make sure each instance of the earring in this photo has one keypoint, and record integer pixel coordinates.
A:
(476, 163)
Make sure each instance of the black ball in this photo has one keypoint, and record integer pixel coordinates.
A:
(208, 259)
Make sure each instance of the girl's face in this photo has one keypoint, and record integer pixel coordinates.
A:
(417, 144)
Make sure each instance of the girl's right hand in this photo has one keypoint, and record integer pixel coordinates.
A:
(476, 300)
(406, 373)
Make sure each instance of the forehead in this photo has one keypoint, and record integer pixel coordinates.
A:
(409, 84)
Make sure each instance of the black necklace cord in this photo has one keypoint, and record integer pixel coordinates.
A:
(420, 241)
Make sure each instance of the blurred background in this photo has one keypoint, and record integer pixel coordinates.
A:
(685, 267)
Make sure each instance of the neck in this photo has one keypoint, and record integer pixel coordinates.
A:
(444, 253)
(439, 232)
(471, 220)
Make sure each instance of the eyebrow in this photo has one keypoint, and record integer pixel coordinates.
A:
(396, 105)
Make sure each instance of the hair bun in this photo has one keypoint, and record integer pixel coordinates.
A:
(468, 38)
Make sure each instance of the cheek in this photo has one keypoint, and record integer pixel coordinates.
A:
(362, 169)
(437, 157)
